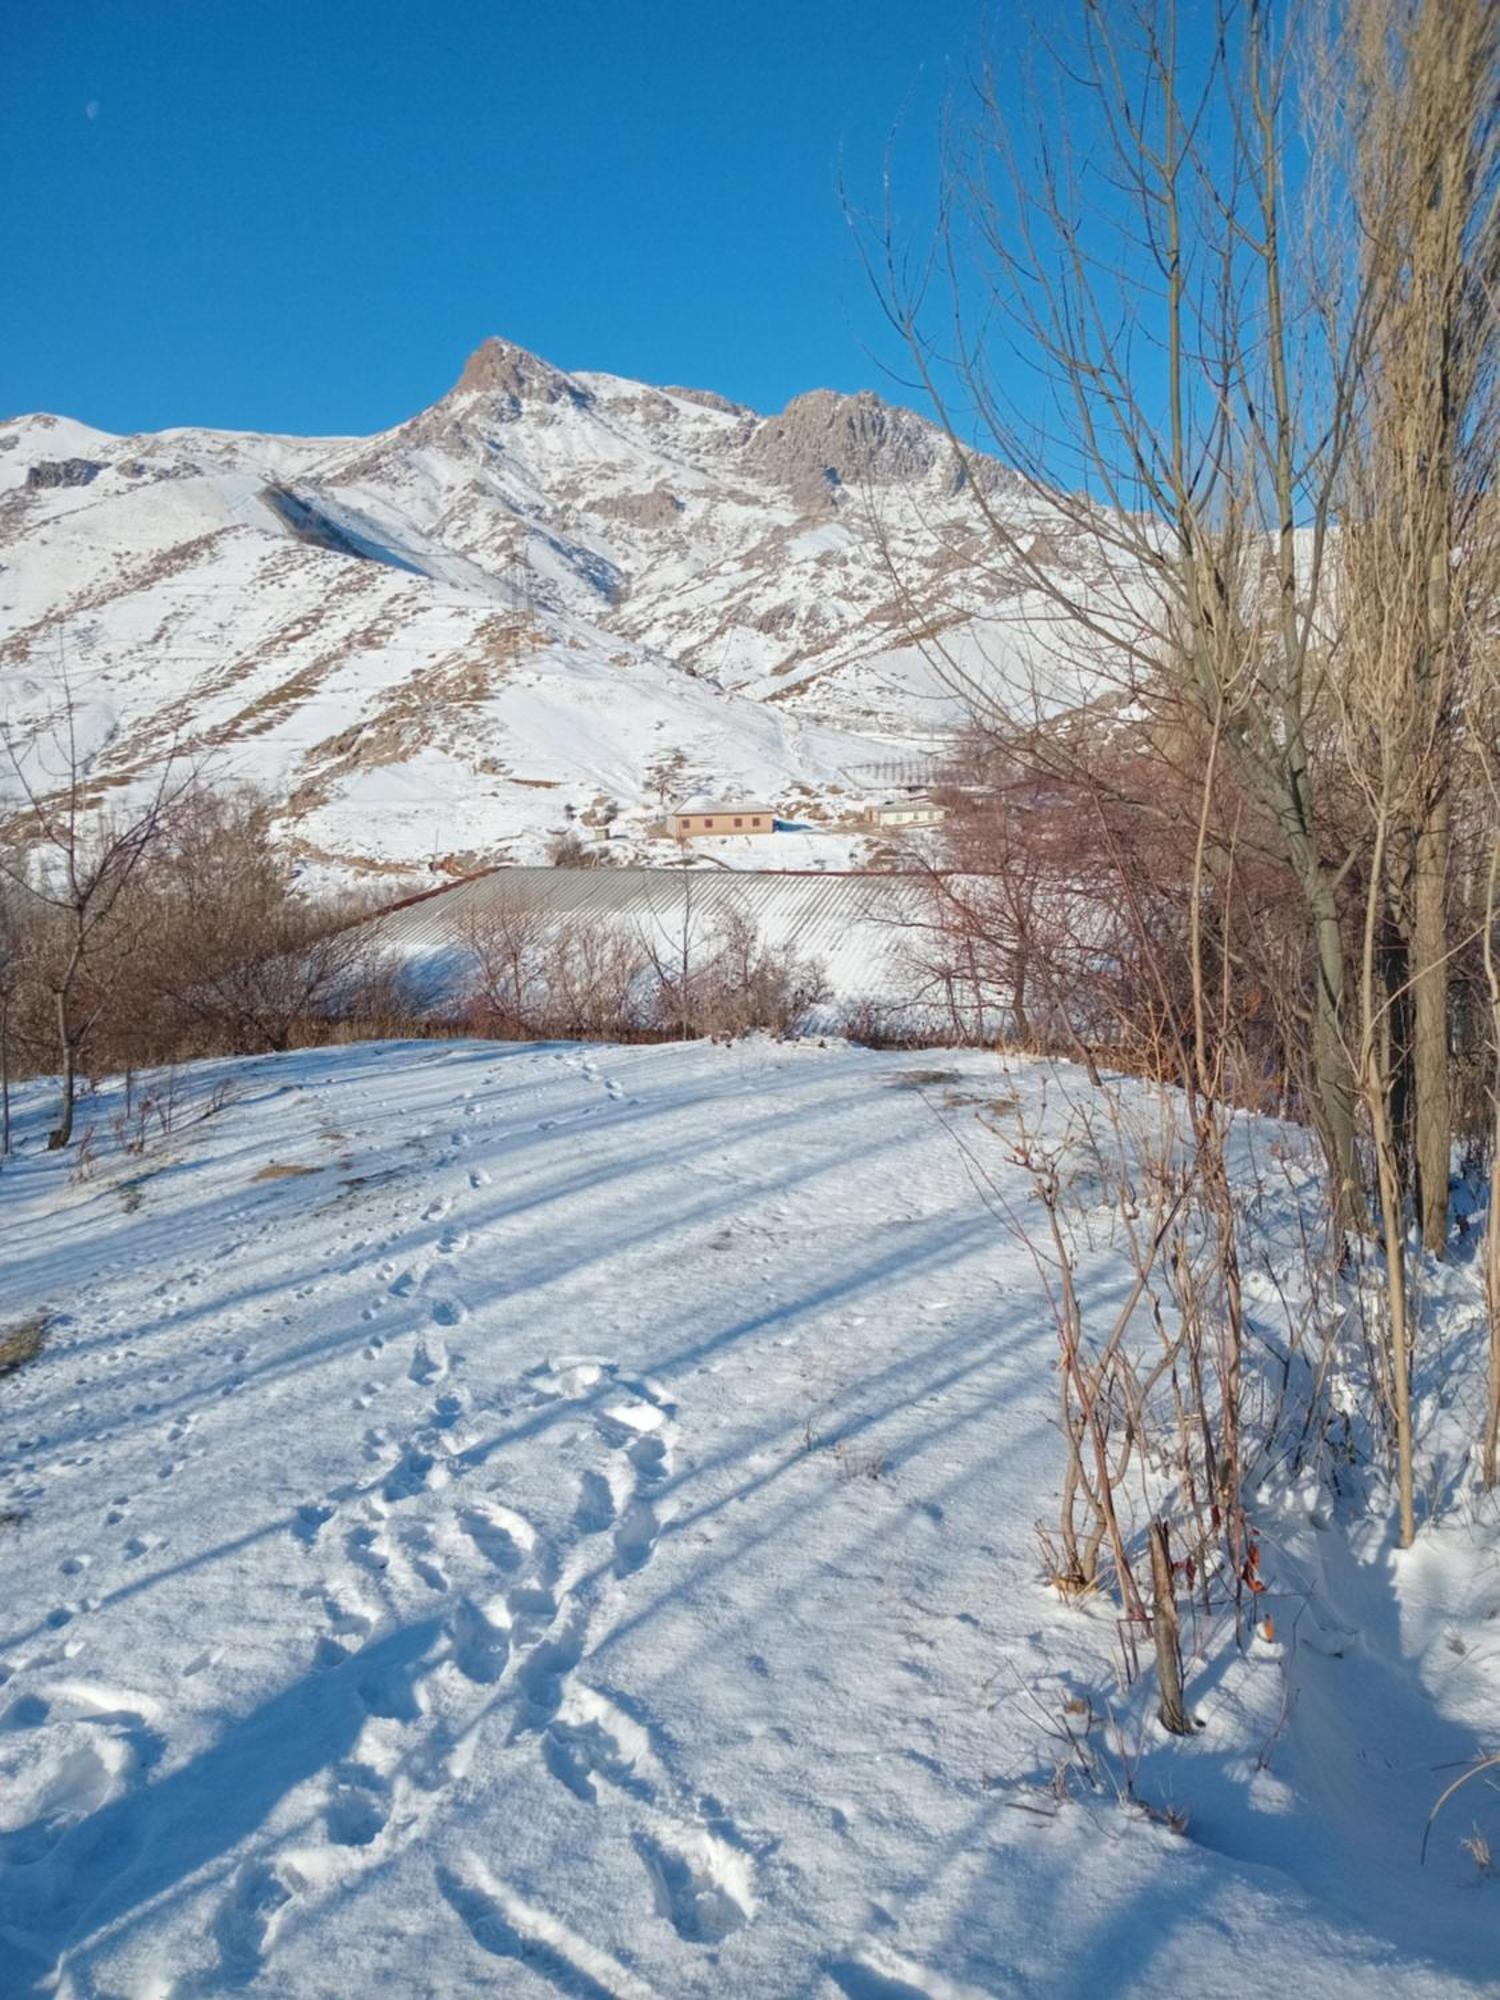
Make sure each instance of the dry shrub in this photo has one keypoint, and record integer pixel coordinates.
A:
(531, 975)
(22, 1342)
(207, 949)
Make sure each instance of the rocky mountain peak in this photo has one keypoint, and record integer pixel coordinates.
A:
(512, 375)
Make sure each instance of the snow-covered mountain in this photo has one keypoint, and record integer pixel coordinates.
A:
(547, 599)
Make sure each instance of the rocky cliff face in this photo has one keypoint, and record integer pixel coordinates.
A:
(823, 442)
(548, 596)
(48, 472)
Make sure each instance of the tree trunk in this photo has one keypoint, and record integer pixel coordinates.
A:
(1334, 1080)
(1490, 1443)
(1170, 1711)
(62, 1134)
(1429, 975)
(1020, 1025)
(1400, 1333)
(1333, 1071)
(1395, 979)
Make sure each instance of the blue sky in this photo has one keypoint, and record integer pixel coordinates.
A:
(302, 214)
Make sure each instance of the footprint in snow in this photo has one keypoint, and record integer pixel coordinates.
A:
(358, 1806)
(635, 1537)
(369, 1548)
(308, 1521)
(596, 1509)
(415, 1470)
(501, 1536)
(421, 1552)
(391, 1693)
(701, 1887)
(430, 1362)
(480, 1641)
(345, 1620)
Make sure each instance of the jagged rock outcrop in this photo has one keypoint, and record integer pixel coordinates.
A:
(823, 441)
(53, 472)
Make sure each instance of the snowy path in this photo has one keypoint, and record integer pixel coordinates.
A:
(561, 1522)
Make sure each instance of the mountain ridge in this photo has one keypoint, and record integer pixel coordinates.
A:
(547, 599)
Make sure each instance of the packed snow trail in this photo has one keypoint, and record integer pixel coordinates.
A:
(561, 1521)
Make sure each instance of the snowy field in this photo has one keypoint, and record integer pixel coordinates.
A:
(560, 1521)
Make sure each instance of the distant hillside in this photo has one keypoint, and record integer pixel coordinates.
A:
(548, 598)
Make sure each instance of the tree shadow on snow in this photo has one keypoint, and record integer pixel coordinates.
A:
(104, 1871)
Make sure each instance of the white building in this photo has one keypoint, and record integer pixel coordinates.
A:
(905, 812)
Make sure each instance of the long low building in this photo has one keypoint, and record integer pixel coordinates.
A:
(703, 816)
(875, 937)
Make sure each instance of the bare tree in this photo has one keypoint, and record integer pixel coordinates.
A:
(504, 949)
(1251, 393)
(676, 942)
(239, 961)
(75, 859)
(12, 943)
(1416, 556)
(1134, 314)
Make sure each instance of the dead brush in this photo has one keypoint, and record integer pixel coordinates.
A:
(1092, 1759)
(852, 1465)
(22, 1342)
(1475, 1843)
(131, 1126)
(1068, 1581)
(152, 1116)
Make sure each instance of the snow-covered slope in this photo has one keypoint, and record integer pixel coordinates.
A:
(561, 1521)
(548, 597)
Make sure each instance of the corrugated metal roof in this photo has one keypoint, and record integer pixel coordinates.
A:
(868, 932)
